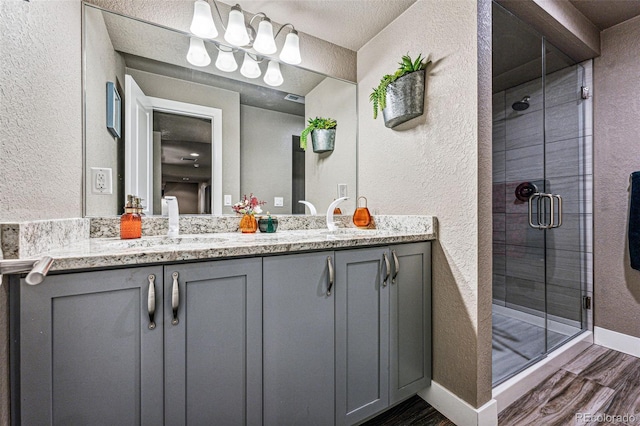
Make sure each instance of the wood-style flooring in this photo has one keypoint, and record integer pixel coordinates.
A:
(414, 411)
(598, 387)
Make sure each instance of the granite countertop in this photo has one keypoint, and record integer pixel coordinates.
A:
(95, 245)
(109, 252)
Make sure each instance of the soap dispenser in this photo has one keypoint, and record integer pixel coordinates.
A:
(138, 206)
(129, 221)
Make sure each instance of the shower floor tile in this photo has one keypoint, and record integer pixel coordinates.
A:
(516, 343)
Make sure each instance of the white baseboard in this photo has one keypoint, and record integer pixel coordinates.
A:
(617, 341)
(457, 410)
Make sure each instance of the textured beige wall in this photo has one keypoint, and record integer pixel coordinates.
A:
(40, 110)
(431, 165)
(317, 55)
(323, 172)
(159, 86)
(265, 159)
(616, 126)
(104, 64)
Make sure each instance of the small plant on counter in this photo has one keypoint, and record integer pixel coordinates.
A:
(379, 95)
(316, 124)
(248, 205)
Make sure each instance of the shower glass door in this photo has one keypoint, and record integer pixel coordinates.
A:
(539, 197)
(566, 172)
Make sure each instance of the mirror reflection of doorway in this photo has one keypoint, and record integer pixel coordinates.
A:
(297, 176)
(182, 161)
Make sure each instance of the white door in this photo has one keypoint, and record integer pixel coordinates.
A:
(138, 142)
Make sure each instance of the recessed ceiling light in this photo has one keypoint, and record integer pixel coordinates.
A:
(185, 178)
(196, 165)
(194, 154)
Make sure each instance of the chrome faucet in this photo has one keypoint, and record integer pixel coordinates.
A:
(174, 215)
(330, 223)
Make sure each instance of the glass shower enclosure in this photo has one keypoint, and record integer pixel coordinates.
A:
(541, 197)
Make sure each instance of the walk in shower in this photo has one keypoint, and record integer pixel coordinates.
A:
(542, 215)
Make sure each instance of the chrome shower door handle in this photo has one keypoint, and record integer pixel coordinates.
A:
(535, 196)
(175, 298)
(559, 198)
(552, 211)
(151, 301)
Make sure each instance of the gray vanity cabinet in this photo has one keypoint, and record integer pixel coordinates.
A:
(340, 358)
(298, 340)
(362, 334)
(213, 343)
(410, 320)
(87, 354)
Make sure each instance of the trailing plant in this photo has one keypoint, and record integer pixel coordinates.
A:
(379, 95)
(316, 124)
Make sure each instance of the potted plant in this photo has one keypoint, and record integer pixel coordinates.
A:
(323, 134)
(400, 96)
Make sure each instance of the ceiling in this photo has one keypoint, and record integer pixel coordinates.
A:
(607, 13)
(347, 23)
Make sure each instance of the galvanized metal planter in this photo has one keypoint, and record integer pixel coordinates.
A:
(323, 140)
(405, 99)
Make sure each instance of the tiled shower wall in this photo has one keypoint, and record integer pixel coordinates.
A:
(520, 154)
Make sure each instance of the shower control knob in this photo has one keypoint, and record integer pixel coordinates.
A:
(525, 190)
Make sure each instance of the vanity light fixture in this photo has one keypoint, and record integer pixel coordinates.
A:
(197, 54)
(250, 67)
(202, 23)
(194, 154)
(273, 76)
(239, 34)
(291, 50)
(226, 61)
(236, 32)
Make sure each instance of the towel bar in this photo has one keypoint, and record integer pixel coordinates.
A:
(36, 269)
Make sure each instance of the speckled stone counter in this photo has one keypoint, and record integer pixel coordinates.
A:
(220, 239)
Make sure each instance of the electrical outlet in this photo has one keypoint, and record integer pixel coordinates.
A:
(342, 190)
(101, 181)
(278, 201)
(227, 199)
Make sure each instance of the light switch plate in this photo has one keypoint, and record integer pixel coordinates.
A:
(101, 181)
(278, 201)
(342, 190)
(227, 199)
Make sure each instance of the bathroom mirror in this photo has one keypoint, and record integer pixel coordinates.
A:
(204, 135)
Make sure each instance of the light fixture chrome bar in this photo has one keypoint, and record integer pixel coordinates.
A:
(36, 270)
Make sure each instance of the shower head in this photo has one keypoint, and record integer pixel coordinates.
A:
(521, 105)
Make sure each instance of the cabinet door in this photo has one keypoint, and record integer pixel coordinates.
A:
(362, 334)
(410, 354)
(87, 355)
(213, 359)
(298, 327)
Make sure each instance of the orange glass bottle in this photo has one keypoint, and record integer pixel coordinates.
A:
(129, 221)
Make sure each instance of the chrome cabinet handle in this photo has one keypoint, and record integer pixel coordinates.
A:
(388, 266)
(175, 298)
(331, 275)
(151, 301)
(396, 264)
